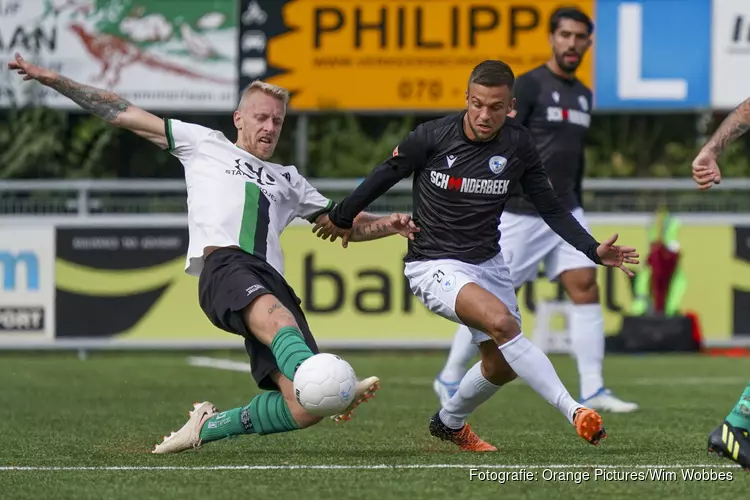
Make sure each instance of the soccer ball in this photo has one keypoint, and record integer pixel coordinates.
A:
(324, 385)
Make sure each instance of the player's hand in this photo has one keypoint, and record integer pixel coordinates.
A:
(28, 70)
(328, 230)
(403, 224)
(706, 171)
(613, 255)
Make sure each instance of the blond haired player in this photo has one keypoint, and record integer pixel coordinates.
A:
(238, 205)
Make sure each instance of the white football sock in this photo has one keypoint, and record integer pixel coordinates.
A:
(587, 343)
(473, 391)
(461, 353)
(535, 368)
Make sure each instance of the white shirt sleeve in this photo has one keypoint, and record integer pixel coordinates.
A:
(183, 138)
(312, 203)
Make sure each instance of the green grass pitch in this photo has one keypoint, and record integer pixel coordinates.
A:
(66, 426)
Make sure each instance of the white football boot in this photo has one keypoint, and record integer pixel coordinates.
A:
(364, 391)
(189, 436)
(604, 400)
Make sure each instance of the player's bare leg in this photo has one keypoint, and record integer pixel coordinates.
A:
(587, 341)
(480, 309)
(479, 384)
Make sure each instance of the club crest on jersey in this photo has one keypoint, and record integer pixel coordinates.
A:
(497, 164)
(395, 151)
(583, 102)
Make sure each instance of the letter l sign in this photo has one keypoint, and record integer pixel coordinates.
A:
(630, 82)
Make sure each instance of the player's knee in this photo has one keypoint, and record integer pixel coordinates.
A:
(503, 327)
(585, 290)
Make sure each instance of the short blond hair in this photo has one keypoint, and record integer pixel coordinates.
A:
(279, 93)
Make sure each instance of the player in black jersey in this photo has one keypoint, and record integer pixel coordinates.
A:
(731, 439)
(465, 166)
(554, 105)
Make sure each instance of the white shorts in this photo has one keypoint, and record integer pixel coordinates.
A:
(526, 241)
(436, 284)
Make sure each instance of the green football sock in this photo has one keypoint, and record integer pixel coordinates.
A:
(227, 424)
(740, 414)
(267, 413)
(290, 350)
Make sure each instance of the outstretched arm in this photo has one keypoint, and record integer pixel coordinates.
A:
(536, 184)
(706, 171)
(368, 227)
(733, 126)
(102, 103)
(408, 157)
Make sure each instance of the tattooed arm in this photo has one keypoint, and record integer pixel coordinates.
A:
(733, 126)
(369, 227)
(104, 104)
(706, 171)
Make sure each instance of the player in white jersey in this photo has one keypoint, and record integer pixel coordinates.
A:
(238, 205)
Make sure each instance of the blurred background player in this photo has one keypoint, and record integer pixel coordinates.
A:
(239, 203)
(730, 438)
(554, 105)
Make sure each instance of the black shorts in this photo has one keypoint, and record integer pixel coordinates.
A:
(231, 279)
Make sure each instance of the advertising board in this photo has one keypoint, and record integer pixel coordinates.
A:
(158, 54)
(27, 306)
(360, 55)
(653, 54)
(730, 53)
(360, 293)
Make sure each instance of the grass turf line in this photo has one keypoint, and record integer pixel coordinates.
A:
(110, 409)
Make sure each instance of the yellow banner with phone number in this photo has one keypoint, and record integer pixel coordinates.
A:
(416, 55)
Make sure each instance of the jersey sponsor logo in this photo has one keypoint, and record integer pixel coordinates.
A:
(451, 159)
(469, 185)
(259, 176)
(497, 164)
(556, 114)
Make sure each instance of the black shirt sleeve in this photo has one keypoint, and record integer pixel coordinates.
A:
(526, 92)
(536, 184)
(409, 156)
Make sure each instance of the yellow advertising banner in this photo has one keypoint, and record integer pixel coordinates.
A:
(360, 293)
(389, 54)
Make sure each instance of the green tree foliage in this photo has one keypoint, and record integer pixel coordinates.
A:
(38, 142)
(341, 147)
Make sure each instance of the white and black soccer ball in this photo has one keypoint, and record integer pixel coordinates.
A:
(324, 385)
